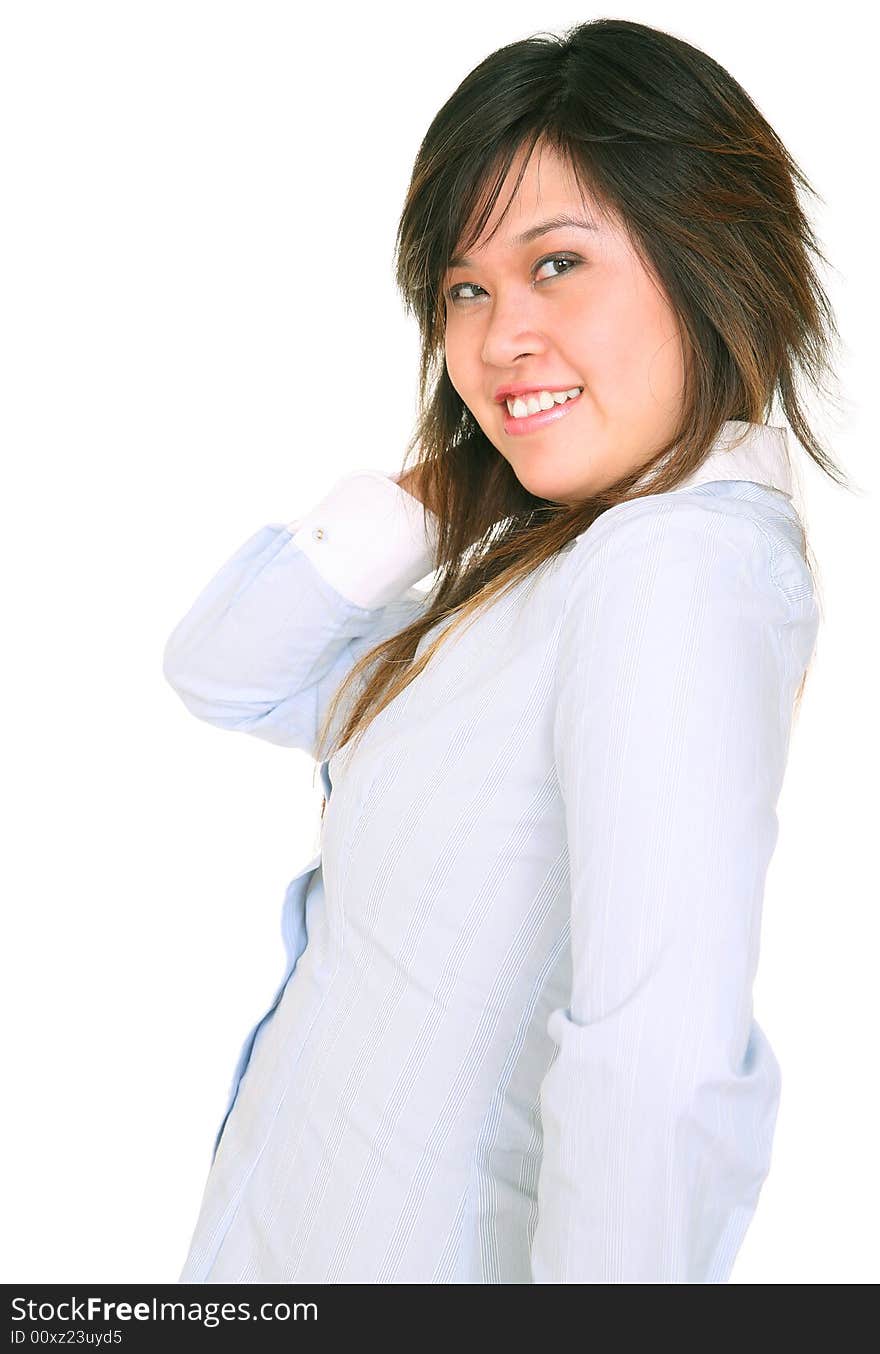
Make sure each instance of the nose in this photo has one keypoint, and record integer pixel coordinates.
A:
(511, 333)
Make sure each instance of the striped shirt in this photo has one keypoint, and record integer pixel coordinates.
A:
(514, 1040)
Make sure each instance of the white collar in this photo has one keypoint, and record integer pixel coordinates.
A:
(761, 455)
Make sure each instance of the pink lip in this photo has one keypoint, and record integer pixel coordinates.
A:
(518, 427)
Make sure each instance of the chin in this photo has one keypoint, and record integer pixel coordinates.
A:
(549, 493)
(548, 488)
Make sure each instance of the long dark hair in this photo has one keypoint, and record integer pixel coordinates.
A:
(663, 139)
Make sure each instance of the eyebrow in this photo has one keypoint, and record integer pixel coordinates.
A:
(543, 228)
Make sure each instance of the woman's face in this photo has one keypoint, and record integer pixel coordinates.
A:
(520, 316)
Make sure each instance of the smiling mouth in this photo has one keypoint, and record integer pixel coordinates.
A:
(517, 404)
(517, 426)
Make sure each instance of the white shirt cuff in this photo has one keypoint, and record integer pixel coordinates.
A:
(367, 538)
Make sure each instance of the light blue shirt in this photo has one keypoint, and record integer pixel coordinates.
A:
(514, 1039)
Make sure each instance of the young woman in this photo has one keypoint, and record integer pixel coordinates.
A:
(514, 1039)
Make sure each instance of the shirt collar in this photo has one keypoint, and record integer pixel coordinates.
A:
(744, 451)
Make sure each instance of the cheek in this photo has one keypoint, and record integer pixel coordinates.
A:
(632, 348)
(605, 333)
(452, 367)
(457, 365)
(666, 369)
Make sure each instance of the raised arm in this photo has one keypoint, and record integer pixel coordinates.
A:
(271, 637)
(684, 640)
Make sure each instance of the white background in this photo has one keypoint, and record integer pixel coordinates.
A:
(200, 333)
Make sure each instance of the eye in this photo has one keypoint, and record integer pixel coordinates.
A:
(454, 293)
(558, 258)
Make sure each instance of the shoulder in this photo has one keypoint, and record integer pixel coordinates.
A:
(715, 541)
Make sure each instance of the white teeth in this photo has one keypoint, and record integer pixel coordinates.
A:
(524, 405)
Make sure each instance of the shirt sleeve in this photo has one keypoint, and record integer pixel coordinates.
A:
(671, 730)
(368, 538)
(272, 636)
